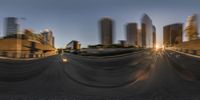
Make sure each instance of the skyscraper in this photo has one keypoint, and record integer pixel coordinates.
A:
(106, 31)
(172, 34)
(192, 27)
(11, 26)
(131, 34)
(48, 37)
(147, 31)
(139, 38)
(53, 41)
(154, 36)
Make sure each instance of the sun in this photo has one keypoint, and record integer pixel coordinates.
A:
(157, 47)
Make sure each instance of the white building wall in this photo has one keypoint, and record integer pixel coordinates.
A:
(149, 30)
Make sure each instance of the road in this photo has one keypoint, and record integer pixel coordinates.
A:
(160, 75)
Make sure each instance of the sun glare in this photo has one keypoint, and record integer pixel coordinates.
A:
(157, 47)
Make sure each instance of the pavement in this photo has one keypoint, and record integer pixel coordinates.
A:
(159, 75)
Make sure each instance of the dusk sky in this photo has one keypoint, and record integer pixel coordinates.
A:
(78, 19)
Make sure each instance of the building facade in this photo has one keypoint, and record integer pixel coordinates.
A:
(11, 26)
(131, 34)
(73, 45)
(154, 36)
(172, 34)
(147, 31)
(106, 31)
(139, 37)
(48, 38)
(53, 41)
(123, 43)
(191, 27)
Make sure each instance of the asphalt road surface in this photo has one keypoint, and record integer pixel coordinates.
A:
(160, 75)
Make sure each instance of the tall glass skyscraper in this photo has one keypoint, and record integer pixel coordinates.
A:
(11, 26)
(147, 31)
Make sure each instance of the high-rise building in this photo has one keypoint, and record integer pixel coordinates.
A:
(106, 31)
(139, 38)
(131, 34)
(154, 36)
(147, 31)
(172, 34)
(166, 35)
(11, 26)
(192, 27)
(48, 37)
(53, 41)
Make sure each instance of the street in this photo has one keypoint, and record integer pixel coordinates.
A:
(158, 75)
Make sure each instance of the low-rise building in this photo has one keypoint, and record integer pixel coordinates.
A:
(73, 45)
(124, 43)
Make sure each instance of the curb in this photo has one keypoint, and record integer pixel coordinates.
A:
(185, 53)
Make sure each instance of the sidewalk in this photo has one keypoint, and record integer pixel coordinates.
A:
(188, 54)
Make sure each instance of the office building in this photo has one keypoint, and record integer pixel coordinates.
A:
(53, 41)
(147, 31)
(131, 34)
(154, 36)
(48, 38)
(11, 26)
(73, 45)
(172, 34)
(139, 38)
(106, 31)
(191, 28)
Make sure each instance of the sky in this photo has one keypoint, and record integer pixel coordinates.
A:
(78, 19)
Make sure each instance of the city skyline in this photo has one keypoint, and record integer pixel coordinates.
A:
(78, 23)
(100, 49)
